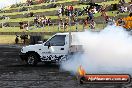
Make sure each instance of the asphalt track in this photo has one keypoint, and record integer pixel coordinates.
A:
(14, 74)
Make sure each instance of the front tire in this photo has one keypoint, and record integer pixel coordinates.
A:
(32, 59)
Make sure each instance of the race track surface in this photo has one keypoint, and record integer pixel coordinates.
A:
(14, 74)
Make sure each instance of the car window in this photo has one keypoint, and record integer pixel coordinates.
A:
(57, 40)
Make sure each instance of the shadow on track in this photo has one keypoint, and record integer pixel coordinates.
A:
(37, 66)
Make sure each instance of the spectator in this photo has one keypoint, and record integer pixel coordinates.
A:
(122, 1)
(44, 21)
(130, 14)
(59, 12)
(26, 26)
(111, 21)
(122, 9)
(130, 8)
(73, 17)
(85, 23)
(16, 39)
(62, 10)
(90, 14)
(60, 23)
(31, 14)
(70, 10)
(29, 2)
(49, 21)
(92, 24)
(94, 10)
(76, 13)
(125, 9)
(39, 21)
(66, 12)
(103, 13)
(120, 22)
(21, 25)
(65, 24)
(5, 17)
(36, 21)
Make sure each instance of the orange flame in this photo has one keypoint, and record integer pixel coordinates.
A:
(81, 71)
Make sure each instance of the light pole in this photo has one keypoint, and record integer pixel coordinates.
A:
(69, 31)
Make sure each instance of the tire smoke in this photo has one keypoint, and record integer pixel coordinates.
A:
(107, 51)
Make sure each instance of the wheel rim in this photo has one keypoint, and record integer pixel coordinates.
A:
(31, 60)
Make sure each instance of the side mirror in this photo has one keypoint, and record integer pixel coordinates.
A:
(49, 45)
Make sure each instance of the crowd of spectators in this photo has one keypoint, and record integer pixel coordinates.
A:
(91, 9)
(42, 21)
(71, 12)
(24, 25)
(39, 22)
(29, 2)
(4, 17)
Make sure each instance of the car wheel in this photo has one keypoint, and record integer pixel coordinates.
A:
(32, 59)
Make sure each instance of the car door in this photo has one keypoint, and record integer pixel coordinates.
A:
(57, 48)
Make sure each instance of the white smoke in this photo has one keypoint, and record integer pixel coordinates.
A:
(108, 51)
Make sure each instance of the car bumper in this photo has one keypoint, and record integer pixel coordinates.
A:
(22, 56)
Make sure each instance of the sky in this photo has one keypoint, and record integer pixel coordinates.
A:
(4, 3)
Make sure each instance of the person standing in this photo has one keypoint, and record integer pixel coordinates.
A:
(90, 15)
(62, 10)
(104, 14)
(71, 9)
(92, 24)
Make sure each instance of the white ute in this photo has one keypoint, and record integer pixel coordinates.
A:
(54, 50)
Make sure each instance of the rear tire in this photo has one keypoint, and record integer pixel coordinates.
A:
(32, 59)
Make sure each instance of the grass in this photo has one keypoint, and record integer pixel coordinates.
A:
(4, 39)
(7, 39)
(25, 12)
(112, 2)
(39, 10)
(110, 13)
(52, 9)
(49, 28)
(63, 1)
(10, 39)
(32, 6)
